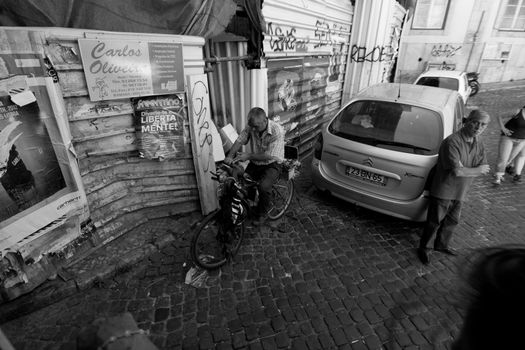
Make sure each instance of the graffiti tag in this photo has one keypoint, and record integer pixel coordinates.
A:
(376, 54)
(199, 103)
(444, 50)
(280, 39)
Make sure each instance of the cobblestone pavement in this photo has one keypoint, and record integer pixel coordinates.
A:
(331, 276)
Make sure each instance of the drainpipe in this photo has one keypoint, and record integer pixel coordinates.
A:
(474, 39)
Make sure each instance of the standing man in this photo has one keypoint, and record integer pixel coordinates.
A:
(265, 161)
(461, 158)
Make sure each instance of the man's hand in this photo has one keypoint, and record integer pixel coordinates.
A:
(484, 169)
(228, 160)
(241, 157)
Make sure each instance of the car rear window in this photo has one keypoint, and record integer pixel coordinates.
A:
(390, 125)
(440, 82)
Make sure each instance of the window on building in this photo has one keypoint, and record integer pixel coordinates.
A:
(512, 15)
(430, 14)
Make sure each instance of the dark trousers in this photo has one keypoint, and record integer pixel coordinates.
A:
(442, 218)
(266, 175)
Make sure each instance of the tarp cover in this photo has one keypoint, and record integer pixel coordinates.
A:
(206, 18)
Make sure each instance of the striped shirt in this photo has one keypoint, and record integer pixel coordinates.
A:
(270, 142)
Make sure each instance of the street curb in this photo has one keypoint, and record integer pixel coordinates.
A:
(503, 86)
(53, 291)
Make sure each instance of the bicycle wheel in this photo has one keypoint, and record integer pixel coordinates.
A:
(213, 244)
(282, 193)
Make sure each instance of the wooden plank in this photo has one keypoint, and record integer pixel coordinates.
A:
(64, 55)
(80, 108)
(96, 136)
(110, 191)
(73, 83)
(101, 216)
(96, 181)
(133, 165)
(108, 145)
(202, 140)
(125, 223)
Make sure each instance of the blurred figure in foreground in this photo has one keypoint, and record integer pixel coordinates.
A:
(494, 317)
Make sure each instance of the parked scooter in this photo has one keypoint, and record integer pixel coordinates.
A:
(472, 78)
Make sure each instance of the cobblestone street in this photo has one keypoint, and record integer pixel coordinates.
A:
(330, 276)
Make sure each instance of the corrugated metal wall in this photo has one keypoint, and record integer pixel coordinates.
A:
(306, 41)
(230, 84)
(307, 47)
(123, 190)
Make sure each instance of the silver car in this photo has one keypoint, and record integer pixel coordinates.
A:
(379, 149)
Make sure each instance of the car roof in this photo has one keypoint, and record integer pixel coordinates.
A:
(418, 95)
(442, 73)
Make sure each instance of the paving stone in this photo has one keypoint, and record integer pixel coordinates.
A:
(339, 336)
(293, 330)
(352, 333)
(372, 316)
(417, 338)
(278, 323)
(372, 342)
(220, 334)
(224, 346)
(268, 344)
(326, 341)
(282, 340)
(238, 340)
(299, 344)
(265, 330)
(235, 325)
(357, 315)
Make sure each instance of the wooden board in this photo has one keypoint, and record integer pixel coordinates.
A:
(202, 140)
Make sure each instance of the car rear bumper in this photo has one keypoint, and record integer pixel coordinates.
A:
(413, 210)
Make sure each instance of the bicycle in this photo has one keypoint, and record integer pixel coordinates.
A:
(218, 237)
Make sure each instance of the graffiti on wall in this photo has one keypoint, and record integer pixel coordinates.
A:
(377, 53)
(200, 112)
(444, 50)
(327, 35)
(323, 35)
(281, 39)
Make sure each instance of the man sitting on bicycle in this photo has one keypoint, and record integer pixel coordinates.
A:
(265, 161)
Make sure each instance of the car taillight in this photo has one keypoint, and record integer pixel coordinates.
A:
(318, 147)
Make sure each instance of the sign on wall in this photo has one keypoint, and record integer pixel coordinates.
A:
(124, 68)
(159, 122)
(40, 186)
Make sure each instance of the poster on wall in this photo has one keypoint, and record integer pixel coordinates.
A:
(38, 186)
(159, 124)
(316, 78)
(285, 79)
(124, 68)
(297, 92)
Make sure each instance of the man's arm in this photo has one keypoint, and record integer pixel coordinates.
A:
(275, 151)
(452, 161)
(241, 141)
(472, 172)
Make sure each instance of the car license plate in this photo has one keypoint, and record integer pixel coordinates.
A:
(366, 175)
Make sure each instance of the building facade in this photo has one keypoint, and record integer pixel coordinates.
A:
(484, 36)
